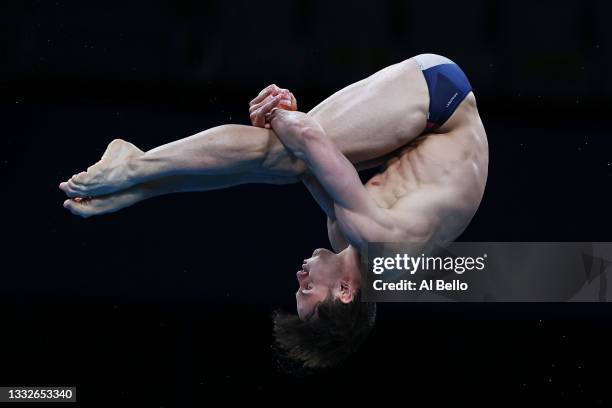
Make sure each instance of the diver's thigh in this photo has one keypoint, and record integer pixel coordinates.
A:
(378, 114)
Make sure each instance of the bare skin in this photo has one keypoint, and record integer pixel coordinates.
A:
(428, 190)
(366, 121)
(391, 104)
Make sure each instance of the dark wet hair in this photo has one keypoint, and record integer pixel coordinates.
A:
(324, 340)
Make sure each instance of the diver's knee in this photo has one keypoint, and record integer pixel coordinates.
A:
(290, 169)
(278, 161)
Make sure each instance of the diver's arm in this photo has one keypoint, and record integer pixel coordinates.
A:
(358, 216)
(320, 195)
(334, 234)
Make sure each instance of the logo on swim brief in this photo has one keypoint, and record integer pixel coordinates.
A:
(452, 99)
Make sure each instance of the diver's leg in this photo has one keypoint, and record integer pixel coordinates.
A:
(166, 185)
(377, 115)
(223, 150)
(366, 120)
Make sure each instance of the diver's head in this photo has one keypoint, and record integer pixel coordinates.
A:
(326, 276)
(332, 321)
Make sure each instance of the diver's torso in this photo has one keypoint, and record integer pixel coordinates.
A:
(446, 171)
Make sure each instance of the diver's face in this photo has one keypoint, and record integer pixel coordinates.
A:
(319, 276)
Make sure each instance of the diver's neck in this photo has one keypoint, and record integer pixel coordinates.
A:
(351, 263)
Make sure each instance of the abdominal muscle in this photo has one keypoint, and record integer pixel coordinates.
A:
(439, 176)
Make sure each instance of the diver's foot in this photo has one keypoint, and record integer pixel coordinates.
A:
(110, 174)
(88, 207)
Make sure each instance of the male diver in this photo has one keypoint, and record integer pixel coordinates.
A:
(417, 118)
